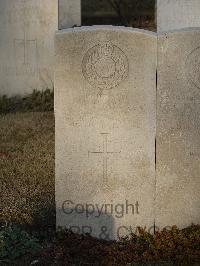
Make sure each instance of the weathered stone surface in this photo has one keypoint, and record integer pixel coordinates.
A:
(105, 93)
(178, 129)
(177, 14)
(27, 29)
(69, 13)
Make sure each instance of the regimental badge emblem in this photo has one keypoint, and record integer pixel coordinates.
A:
(105, 66)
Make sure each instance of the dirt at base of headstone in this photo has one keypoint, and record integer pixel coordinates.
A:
(167, 247)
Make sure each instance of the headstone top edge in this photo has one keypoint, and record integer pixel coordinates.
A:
(182, 30)
(106, 27)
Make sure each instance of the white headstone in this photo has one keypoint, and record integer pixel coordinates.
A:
(177, 14)
(69, 13)
(105, 93)
(178, 129)
(27, 29)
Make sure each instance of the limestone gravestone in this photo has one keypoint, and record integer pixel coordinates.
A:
(177, 14)
(105, 96)
(27, 29)
(178, 129)
(69, 13)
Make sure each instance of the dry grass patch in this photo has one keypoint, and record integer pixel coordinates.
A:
(27, 168)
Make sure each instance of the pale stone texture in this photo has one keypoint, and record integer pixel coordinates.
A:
(69, 13)
(178, 129)
(105, 94)
(27, 29)
(177, 14)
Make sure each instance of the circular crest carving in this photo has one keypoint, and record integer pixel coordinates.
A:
(193, 67)
(105, 65)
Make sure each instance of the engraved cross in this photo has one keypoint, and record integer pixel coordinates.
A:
(25, 42)
(105, 154)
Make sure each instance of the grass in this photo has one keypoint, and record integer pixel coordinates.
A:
(27, 191)
(27, 168)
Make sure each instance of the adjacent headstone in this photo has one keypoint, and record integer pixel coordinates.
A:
(69, 13)
(178, 129)
(105, 94)
(27, 29)
(177, 14)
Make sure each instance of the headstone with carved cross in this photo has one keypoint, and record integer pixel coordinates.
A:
(27, 29)
(105, 87)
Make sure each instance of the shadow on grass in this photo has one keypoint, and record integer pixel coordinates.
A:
(167, 247)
